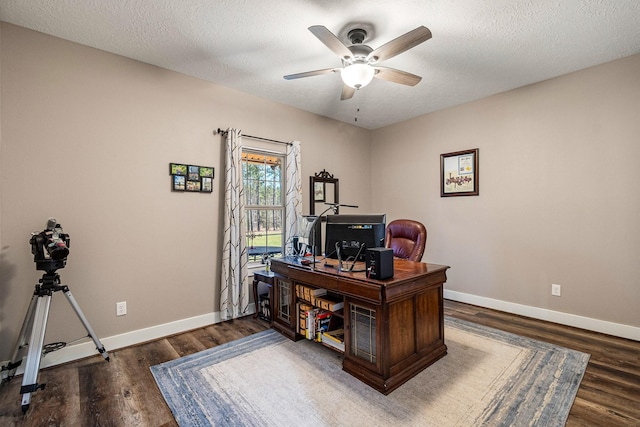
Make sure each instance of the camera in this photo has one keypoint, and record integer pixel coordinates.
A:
(50, 247)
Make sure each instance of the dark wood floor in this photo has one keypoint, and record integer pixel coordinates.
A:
(92, 392)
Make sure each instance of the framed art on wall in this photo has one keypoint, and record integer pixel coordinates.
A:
(318, 192)
(177, 169)
(193, 186)
(206, 172)
(207, 184)
(178, 183)
(191, 178)
(194, 173)
(459, 173)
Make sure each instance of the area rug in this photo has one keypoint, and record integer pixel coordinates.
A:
(488, 378)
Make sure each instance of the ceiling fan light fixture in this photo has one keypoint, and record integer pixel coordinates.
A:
(357, 75)
(359, 61)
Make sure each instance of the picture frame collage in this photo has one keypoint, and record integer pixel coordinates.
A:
(191, 178)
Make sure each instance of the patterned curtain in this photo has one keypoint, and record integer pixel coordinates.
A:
(293, 196)
(234, 294)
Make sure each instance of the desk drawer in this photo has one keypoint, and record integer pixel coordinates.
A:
(369, 292)
(364, 291)
(317, 280)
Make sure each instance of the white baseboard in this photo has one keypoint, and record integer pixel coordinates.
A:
(610, 328)
(87, 347)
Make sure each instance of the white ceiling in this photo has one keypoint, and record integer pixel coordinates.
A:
(479, 47)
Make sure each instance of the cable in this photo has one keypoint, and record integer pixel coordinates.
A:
(356, 258)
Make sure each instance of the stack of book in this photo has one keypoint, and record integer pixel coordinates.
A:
(319, 298)
(303, 309)
(315, 312)
(323, 319)
(333, 339)
(313, 321)
(308, 293)
(329, 302)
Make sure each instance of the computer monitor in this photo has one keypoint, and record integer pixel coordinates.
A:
(353, 234)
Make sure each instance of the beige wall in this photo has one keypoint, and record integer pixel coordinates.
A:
(87, 137)
(559, 197)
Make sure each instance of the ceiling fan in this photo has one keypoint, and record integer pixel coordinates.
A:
(359, 61)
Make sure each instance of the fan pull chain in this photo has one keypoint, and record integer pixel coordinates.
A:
(355, 119)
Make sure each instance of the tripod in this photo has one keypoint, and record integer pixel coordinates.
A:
(37, 315)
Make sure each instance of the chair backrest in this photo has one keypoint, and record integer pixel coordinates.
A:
(407, 238)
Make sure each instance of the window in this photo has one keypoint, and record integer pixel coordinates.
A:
(264, 204)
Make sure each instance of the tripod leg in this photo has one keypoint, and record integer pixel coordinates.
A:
(30, 377)
(14, 362)
(86, 324)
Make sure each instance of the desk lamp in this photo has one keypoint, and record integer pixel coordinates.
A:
(312, 235)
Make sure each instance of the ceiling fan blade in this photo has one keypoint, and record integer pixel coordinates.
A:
(400, 44)
(331, 41)
(347, 92)
(396, 76)
(311, 73)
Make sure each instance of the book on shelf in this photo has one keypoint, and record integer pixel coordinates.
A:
(336, 335)
(329, 303)
(319, 298)
(313, 321)
(308, 293)
(302, 318)
(323, 319)
(330, 339)
(311, 324)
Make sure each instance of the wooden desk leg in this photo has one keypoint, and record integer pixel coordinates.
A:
(255, 296)
(270, 303)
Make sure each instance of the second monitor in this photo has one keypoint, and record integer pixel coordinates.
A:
(354, 234)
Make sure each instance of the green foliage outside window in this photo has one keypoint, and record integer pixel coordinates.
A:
(264, 204)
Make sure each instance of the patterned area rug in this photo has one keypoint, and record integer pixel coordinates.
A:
(488, 378)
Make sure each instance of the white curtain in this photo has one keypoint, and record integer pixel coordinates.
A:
(235, 287)
(234, 294)
(293, 195)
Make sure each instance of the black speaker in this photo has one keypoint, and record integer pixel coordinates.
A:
(379, 263)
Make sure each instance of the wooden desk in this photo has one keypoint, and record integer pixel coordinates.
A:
(394, 328)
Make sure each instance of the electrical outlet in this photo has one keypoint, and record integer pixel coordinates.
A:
(555, 290)
(121, 308)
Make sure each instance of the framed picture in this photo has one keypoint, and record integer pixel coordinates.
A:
(206, 172)
(318, 192)
(194, 173)
(178, 183)
(177, 169)
(193, 186)
(459, 173)
(207, 184)
(192, 178)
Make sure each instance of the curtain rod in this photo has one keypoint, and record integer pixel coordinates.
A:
(224, 133)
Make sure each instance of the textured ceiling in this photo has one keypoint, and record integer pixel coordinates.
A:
(479, 47)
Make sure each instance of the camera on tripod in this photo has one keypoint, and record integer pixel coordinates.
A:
(50, 247)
